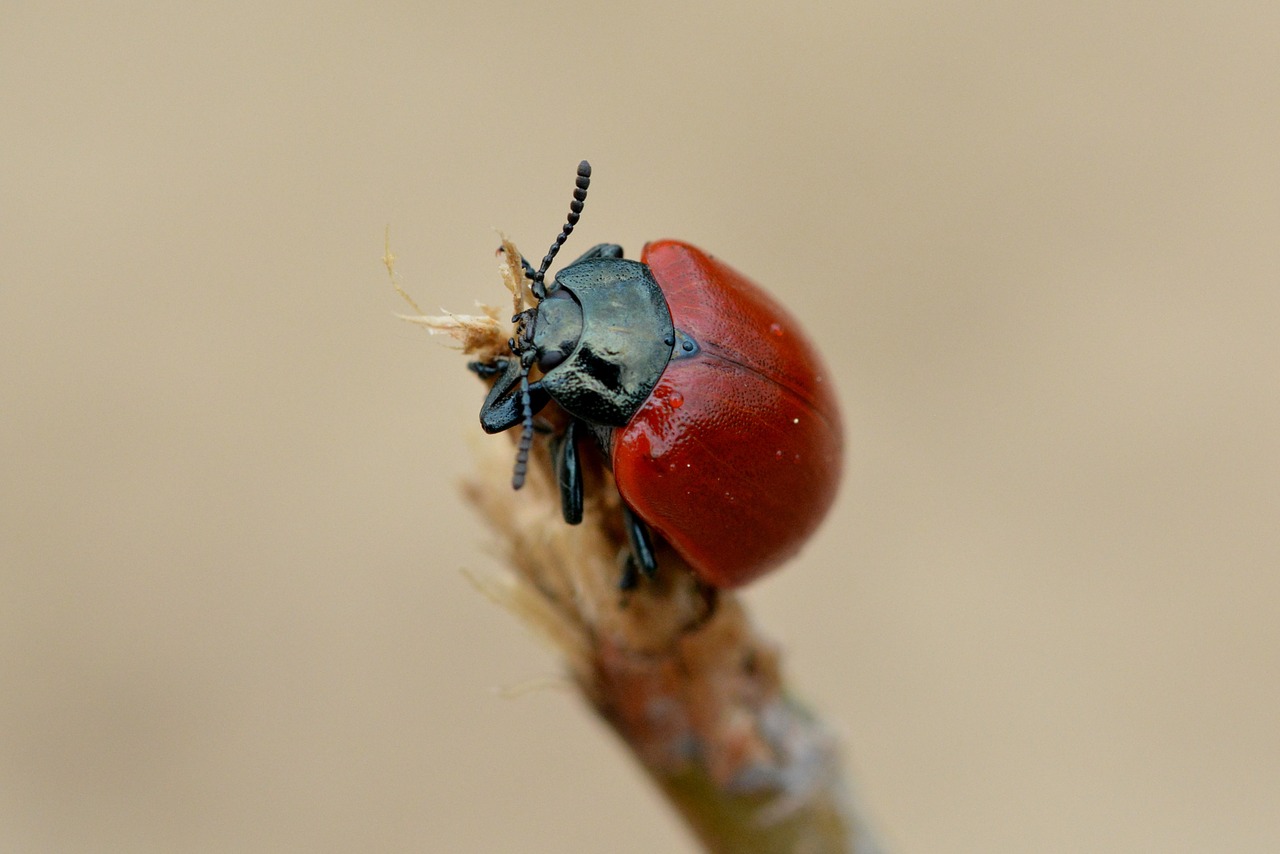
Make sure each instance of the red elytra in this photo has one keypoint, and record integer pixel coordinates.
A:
(735, 457)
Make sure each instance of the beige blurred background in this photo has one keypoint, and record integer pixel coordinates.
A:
(1040, 244)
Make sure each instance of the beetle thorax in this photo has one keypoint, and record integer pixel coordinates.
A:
(601, 337)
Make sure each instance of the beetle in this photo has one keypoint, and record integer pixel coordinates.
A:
(711, 407)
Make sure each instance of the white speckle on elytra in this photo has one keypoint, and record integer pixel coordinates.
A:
(795, 420)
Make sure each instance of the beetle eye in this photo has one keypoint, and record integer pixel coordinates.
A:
(557, 330)
(551, 359)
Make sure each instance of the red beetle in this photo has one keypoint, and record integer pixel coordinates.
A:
(714, 411)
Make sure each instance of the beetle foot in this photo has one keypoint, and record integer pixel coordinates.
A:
(641, 555)
(630, 579)
(486, 370)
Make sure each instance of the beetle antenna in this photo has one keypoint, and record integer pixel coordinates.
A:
(526, 434)
(575, 211)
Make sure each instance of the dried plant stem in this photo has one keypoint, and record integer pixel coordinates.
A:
(678, 671)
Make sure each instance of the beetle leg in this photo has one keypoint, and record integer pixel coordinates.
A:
(528, 268)
(503, 407)
(564, 454)
(642, 558)
(600, 250)
(630, 575)
(485, 370)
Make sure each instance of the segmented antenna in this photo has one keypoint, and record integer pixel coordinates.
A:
(540, 292)
(526, 435)
(575, 211)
